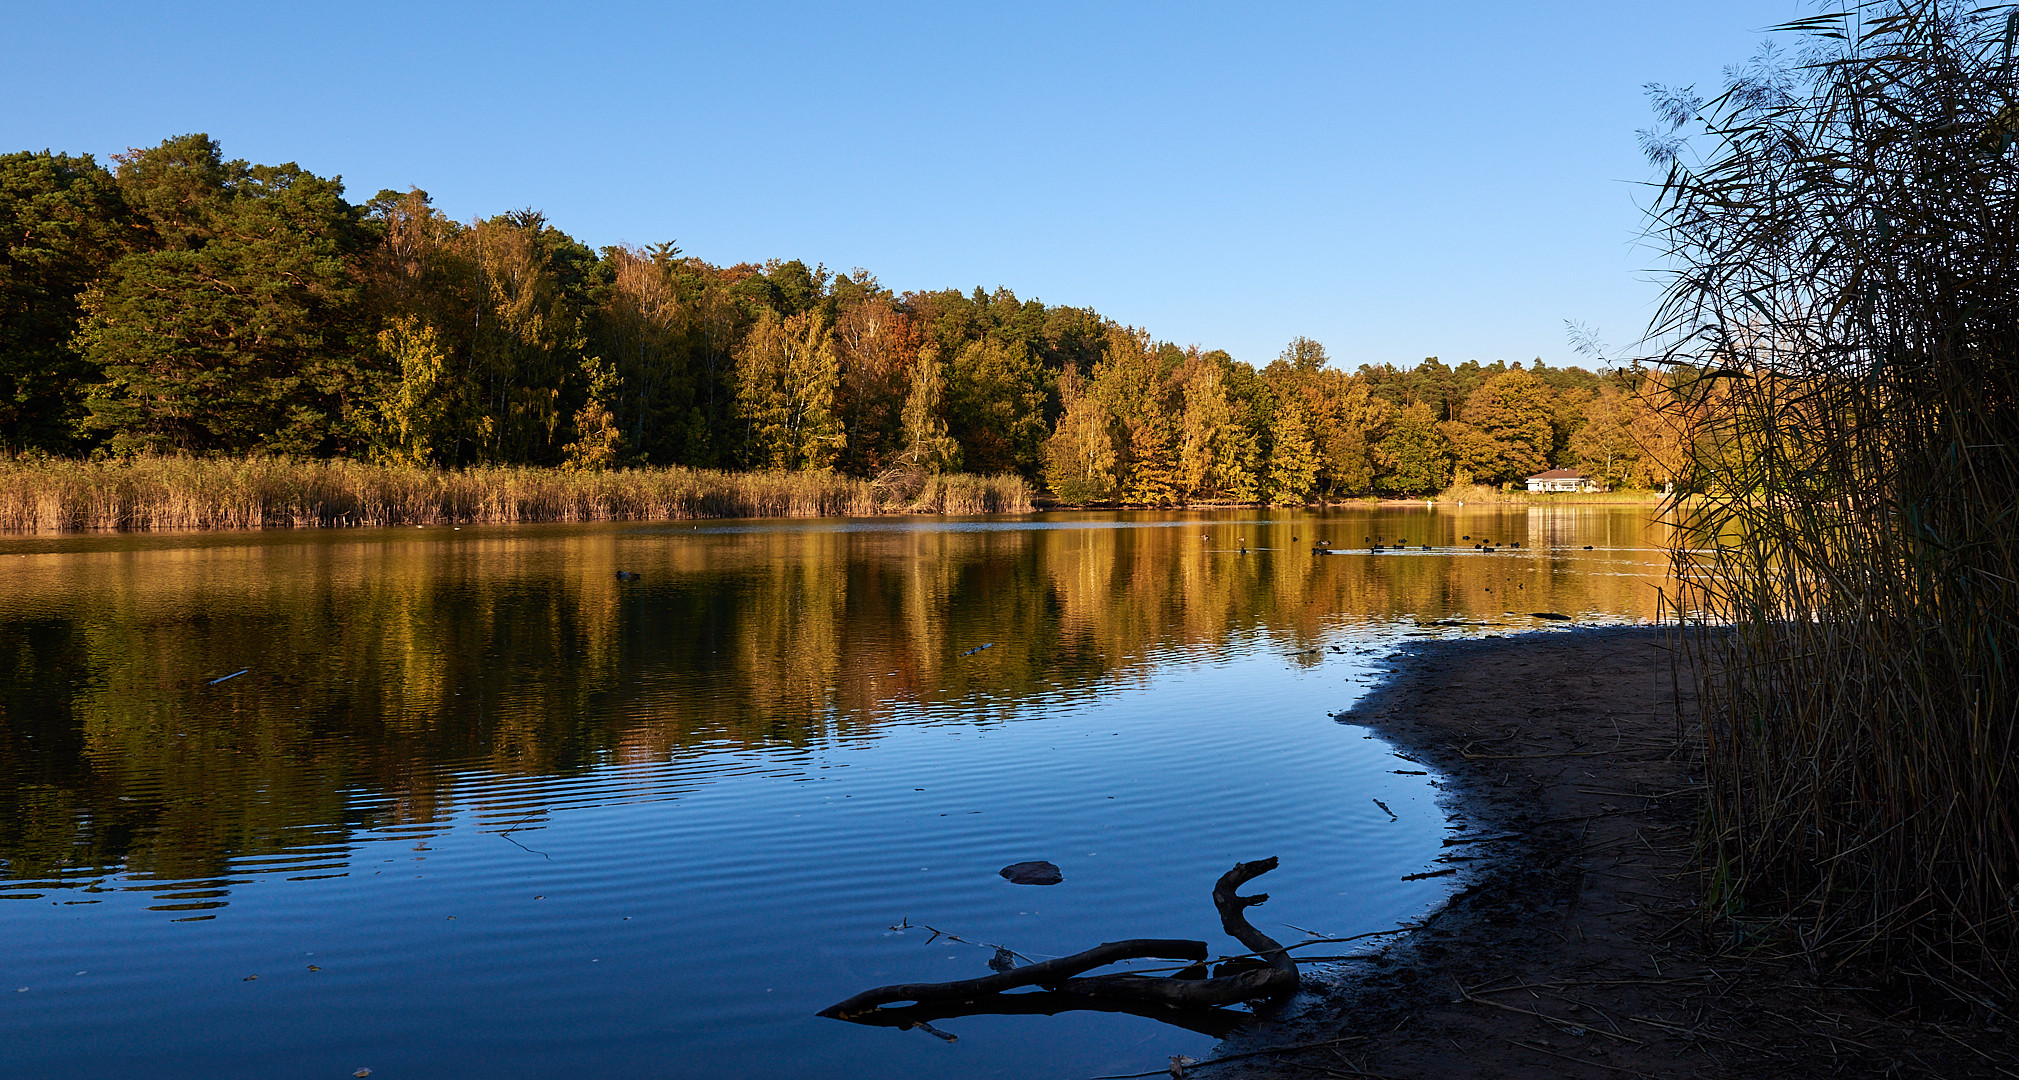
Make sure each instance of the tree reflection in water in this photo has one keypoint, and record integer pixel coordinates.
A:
(383, 663)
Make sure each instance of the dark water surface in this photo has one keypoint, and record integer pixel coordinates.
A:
(478, 808)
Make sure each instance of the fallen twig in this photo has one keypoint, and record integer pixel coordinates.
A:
(1545, 1017)
(1237, 1057)
(1581, 1061)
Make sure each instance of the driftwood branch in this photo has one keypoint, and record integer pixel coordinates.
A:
(1189, 998)
(1049, 974)
(1234, 920)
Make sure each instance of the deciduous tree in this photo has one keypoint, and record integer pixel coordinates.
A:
(1414, 455)
(786, 375)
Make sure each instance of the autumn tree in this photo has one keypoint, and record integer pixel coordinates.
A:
(1510, 433)
(786, 375)
(1293, 458)
(1080, 456)
(529, 334)
(418, 287)
(187, 303)
(1414, 456)
(927, 445)
(414, 413)
(878, 345)
(1216, 452)
(1339, 411)
(644, 331)
(1604, 445)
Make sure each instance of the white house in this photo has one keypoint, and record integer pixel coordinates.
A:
(1562, 480)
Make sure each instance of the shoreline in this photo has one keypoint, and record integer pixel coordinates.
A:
(1573, 946)
(1607, 499)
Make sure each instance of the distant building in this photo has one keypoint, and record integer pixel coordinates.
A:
(1562, 480)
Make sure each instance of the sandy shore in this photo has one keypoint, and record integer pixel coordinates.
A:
(1572, 947)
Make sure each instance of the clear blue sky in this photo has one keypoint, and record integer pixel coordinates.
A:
(1395, 180)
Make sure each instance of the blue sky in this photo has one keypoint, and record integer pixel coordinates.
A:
(1395, 180)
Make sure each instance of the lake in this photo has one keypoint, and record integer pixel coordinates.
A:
(461, 802)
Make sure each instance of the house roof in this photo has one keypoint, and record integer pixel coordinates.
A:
(1561, 474)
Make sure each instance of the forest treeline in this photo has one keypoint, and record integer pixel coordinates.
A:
(180, 303)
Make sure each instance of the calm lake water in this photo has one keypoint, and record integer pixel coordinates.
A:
(476, 807)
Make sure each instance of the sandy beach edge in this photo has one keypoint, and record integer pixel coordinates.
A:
(1572, 945)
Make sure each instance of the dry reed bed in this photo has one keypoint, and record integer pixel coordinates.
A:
(1492, 496)
(253, 493)
(1847, 320)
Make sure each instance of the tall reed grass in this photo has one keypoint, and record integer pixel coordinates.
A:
(1845, 320)
(267, 492)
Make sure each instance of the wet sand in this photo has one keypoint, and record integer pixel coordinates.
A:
(1573, 947)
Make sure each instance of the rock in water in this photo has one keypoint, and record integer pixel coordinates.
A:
(1032, 873)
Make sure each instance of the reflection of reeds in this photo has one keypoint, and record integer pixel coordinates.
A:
(251, 493)
(1847, 311)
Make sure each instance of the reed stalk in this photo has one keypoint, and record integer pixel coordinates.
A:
(1844, 324)
(162, 493)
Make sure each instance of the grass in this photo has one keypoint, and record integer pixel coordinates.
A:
(155, 493)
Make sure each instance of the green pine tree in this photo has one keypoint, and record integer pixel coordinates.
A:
(62, 223)
(235, 334)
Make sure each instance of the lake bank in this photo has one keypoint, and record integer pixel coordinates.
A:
(1471, 494)
(164, 494)
(1573, 947)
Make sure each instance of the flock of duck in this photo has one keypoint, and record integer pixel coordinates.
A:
(1376, 545)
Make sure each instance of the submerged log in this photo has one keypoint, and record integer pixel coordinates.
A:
(1216, 1022)
(1187, 998)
